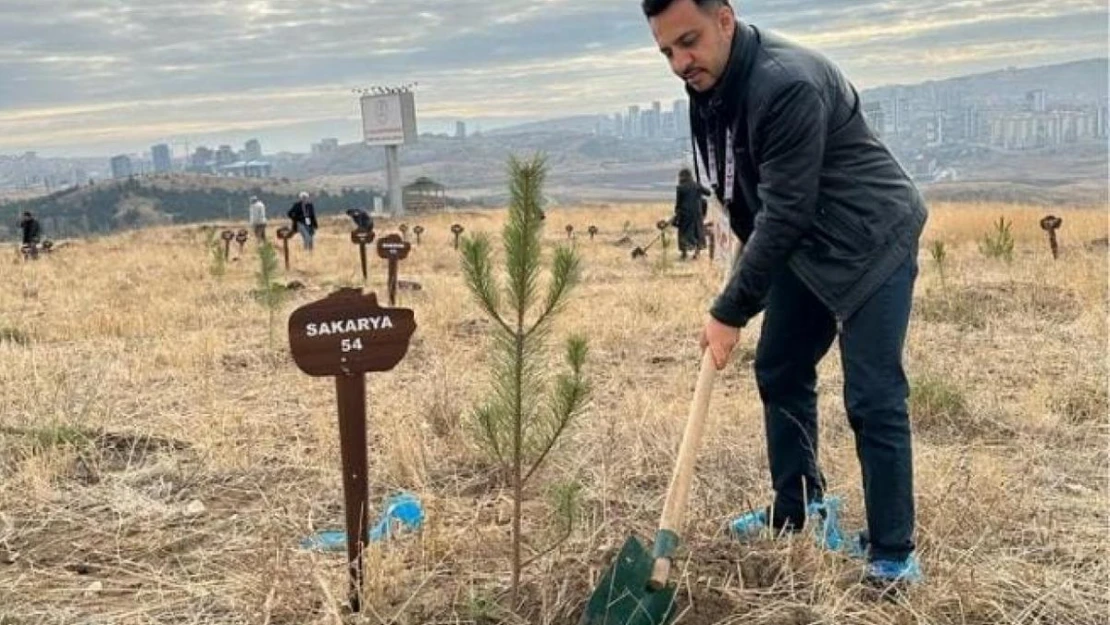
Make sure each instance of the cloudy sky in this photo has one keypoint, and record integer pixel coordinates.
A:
(99, 76)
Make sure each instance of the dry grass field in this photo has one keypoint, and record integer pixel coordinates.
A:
(160, 461)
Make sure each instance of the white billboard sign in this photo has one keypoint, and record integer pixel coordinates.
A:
(388, 119)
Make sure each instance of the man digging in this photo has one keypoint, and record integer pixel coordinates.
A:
(830, 224)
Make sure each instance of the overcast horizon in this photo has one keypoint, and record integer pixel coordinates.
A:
(96, 77)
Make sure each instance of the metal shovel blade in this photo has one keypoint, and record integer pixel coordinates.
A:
(622, 597)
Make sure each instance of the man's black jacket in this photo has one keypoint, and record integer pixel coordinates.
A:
(815, 190)
(305, 213)
(30, 230)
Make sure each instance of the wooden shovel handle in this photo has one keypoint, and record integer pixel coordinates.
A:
(678, 493)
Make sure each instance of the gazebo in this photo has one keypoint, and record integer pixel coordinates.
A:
(424, 194)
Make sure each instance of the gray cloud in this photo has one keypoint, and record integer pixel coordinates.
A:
(128, 72)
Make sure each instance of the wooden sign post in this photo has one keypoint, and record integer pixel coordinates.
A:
(346, 335)
(241, 238)
(360, 238)
(285, 234)
(1050, 224)
(227, 236)
(418, 230)
(712, 239)
(392, 248)
(404, 231)
(570, 231)
(456, 230)
(592, 230)
(662, 225)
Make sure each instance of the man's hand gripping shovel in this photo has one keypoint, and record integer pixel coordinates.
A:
(636, 590)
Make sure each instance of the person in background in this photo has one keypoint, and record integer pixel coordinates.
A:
(362, 219)
(31, 233)
(303, 216)
(688, 215)
(258, 218)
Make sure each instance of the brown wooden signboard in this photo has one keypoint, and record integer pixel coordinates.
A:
(346, 335)
(284, 233)
(1050, 224)
(241, 238)
(392, 248)
(361, 238)
(456, 230)
(404, 231)
(570, 231)
(592, 230)
(227, 236)
(418, 230)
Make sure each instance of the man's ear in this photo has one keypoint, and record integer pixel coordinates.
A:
(726, 19)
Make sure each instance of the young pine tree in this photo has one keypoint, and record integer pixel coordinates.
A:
(270, 294)
(523, 419)
(215, 247)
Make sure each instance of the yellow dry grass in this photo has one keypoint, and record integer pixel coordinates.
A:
(159, 463)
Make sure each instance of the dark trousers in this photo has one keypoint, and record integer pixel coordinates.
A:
(797, 332)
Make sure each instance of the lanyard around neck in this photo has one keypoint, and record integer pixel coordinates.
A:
(730, 164)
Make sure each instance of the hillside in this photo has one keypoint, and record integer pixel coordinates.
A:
(1084, 80)
(161, 461)
(168, 199)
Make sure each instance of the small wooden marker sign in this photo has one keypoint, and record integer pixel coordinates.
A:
(592, 230)
(404, 231)
(346, 335)
(456, 230)
(361, 238)
(392, 248)
(227, 236)
(1050, 224)
(284, 233)
(418, 230)
(241, 238)
(570, 231)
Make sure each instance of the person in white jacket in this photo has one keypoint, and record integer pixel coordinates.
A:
(258, 218)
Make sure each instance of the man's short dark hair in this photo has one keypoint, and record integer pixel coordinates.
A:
(655, 7)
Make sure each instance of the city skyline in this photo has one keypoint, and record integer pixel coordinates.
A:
(94, 78)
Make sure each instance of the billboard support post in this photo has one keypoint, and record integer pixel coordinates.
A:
(393, 180)
(389, 120)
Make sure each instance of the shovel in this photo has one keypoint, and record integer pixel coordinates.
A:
(636, 589)
(642, 251)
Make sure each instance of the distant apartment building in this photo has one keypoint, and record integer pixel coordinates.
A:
(225, 156)
(632, 122)
(325, 146)
(1029, 130)
(121, 166)
(252, 150)
(460, 130)
(681, 110)
(1036, 101)
(163, 160)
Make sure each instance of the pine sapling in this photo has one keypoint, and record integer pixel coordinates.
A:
(270, 294)
(216, 250)
(940, 256)
(523, 418)
(1000, 243)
